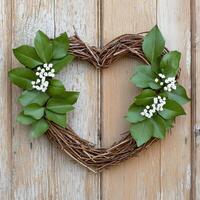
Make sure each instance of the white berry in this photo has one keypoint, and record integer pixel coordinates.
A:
(41, 83)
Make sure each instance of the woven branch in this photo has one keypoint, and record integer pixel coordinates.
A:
(91, 157)
(84, 152)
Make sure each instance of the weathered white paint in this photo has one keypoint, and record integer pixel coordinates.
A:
(132, 179)
(174, 23)
(196, 97)
(40, 171)
(5, 103)
(82, 77)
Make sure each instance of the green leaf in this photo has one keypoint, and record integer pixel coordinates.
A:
(59, 119)
(144, 77)
(59, 106)
(58, 65)
(159, 129)
(60, 46)
(168, 123)
(156, 65)
(70, 97)
(55, 88)
(27, 56)
(22, 77)
(146, 97)
(156, 127)
(134, 115)
(24, 119)
(142, 132)
(179, 95)
(33, 96)
(43, 47)
(34, 110)
(39, 128)
(153, 44)
(170, 63)
(171, 109)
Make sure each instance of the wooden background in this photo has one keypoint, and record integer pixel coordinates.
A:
(35, 169)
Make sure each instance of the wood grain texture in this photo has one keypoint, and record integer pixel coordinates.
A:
(82, 77)
(40, 170)
(32, 160)
(195, 99)
(174, 23)
(5, 103)
(137, 178)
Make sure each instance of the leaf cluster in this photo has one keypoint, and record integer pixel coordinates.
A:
(37, 107)
(142, 128)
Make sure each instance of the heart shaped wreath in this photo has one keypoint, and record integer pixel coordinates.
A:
(46, 102)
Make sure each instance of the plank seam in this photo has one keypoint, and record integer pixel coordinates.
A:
(11, 97)
(193, 97)
(100, 40)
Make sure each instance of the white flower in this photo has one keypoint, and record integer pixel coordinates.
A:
(170, 84)
(37, 87)
(155, 100)
(40, 75)
(41, 83)
(45, 65)
(43, 79)
(174, 87)
(50, 65)
(46, 83)
(161, 75)
(158, 104)
(43, 89)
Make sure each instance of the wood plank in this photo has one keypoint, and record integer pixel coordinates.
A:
(174, 20)
(5, 100)
(48, 171)
(32, 159)
(137, 178)
(195, 99)
(82, 77)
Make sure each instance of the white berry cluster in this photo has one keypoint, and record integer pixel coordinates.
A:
(158, 103)
(170, 83)
(43, 73)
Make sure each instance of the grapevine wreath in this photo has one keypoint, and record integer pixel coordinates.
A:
(45, 101)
